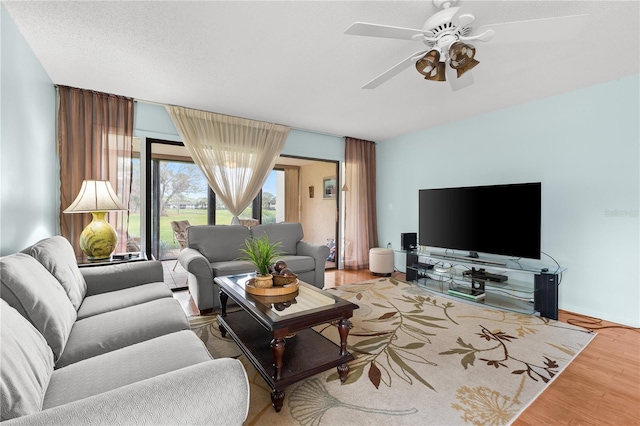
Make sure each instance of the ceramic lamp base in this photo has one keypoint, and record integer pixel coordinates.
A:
(98, 240)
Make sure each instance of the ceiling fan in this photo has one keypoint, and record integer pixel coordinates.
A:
(447, 34)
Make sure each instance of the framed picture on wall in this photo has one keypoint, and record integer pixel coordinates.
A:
(311, 192)
(329, 189)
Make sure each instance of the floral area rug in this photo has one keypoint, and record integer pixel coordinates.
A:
(420, 359)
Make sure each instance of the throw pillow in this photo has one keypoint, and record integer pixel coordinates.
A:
(26, 365)
(38, 296)
(56, 254)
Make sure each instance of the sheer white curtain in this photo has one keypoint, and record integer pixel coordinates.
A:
(235, 154)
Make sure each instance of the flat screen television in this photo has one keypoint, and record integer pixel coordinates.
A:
(495, 219)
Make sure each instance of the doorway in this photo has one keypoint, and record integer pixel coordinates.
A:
(318, 200)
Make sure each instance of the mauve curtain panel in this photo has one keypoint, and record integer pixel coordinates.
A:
(361, 223)
(95, 132)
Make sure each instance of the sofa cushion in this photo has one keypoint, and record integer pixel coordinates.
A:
(125, 366)
(26, 364)
(299, 264)
(39, 297)
(287, 233)
(106, 302)
(236, 267)
(218, 243)
(127, 326)
(57, 256)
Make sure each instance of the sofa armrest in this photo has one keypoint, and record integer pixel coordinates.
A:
(196, 263)
(103, 279)
(215, 392)
(320, 253)
(200, 278)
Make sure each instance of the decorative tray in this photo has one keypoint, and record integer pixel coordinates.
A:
(271, 291)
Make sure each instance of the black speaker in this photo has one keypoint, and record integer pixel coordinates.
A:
(546, 295)
(409, 241)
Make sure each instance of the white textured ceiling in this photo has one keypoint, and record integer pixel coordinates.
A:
(290, 63)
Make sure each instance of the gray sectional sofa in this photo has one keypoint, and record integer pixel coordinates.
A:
(214, 250)
(105, 345)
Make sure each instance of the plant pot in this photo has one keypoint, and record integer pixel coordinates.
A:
(263, 281)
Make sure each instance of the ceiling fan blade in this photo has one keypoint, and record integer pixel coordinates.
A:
(384, 31)
(458, 83)
(393, 71)
(483, 36)
(547, 29)
(465, 19)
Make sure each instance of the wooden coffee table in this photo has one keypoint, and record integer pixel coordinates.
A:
(274, 332)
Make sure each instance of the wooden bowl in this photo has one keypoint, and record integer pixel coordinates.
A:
(284, 279)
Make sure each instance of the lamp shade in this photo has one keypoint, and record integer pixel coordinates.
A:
(95, 196)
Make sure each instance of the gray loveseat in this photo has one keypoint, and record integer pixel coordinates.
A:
(214, 250)
(105, 345)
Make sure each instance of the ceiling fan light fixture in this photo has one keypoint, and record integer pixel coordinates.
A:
(462, 57)
(471, 64)
(431, 67)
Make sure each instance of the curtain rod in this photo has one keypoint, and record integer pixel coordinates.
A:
(291, 127)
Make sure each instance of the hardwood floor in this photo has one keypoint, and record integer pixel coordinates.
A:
(600, 387)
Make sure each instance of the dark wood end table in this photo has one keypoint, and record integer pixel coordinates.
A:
(267, 325)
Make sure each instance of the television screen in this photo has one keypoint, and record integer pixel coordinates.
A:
(497, 219)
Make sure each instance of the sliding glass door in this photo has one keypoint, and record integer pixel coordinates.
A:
(178, 191)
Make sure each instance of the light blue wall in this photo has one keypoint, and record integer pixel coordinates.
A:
(28, 159)
(584, 148)
(153, 121)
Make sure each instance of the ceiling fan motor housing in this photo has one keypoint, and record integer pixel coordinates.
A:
(441, 27)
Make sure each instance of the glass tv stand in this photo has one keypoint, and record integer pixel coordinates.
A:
(519, 285)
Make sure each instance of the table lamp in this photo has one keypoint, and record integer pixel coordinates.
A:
(98, 240)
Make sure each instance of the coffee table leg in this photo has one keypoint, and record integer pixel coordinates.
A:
(223, 311)
(344, 325)
(277, 348)
(223, 303)
(277, 399)
(343, 372)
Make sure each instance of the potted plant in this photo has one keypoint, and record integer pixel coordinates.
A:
(262, 253)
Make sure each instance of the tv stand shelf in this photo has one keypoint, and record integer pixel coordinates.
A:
(530, 287)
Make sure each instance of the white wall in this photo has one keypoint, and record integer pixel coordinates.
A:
(28, 160)
(584, 148)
